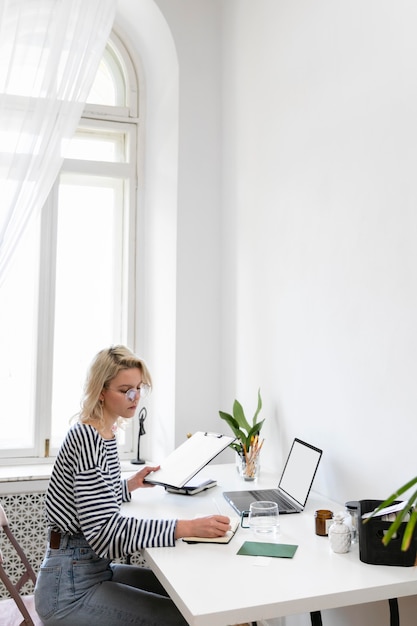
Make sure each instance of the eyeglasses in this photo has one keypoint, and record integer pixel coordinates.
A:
(131, 394)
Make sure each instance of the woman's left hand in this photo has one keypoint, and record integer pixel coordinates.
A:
(137, 480)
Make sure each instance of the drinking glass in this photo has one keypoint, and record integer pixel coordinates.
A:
(263, 517)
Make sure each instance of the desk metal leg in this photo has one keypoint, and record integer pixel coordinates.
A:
(394, 613)
(316, 618)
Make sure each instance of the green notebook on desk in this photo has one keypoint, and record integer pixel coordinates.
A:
(258, 548)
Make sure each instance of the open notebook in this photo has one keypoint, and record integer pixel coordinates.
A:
(234, 525)
(294, 485)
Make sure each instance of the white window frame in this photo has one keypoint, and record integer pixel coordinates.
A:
(117, 119)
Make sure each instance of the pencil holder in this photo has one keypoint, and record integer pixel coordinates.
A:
(249, 468)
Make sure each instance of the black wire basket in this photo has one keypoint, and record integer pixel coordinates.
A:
(371, 548)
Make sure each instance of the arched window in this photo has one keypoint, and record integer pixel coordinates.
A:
(116, 82)
(71, 289)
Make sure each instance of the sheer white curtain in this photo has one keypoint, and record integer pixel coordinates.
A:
(49, 54)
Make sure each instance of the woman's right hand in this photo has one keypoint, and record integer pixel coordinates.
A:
(210, 526)
(137, 481)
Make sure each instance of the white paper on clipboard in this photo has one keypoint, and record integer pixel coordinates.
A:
(189, 458)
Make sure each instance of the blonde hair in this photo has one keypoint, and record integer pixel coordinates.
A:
(104, 367)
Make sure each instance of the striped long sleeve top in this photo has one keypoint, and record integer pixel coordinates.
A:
(85, 494)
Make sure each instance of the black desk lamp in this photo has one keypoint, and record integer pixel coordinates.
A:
(142, 418)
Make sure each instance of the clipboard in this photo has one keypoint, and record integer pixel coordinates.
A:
(189, 458)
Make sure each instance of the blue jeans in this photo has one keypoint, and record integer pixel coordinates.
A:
(75, 587)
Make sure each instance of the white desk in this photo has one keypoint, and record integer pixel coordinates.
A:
(213, 586)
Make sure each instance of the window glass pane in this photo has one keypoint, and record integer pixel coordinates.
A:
(109, 85)
(88, 286)
(85, 233)
(97, 146)
(18, 336)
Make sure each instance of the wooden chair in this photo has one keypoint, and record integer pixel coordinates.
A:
(18, 610)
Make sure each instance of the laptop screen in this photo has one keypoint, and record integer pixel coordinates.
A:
(299, 471)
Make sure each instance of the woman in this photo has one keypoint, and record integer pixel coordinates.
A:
(78, 584)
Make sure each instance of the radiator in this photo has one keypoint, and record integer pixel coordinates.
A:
(25, 512)
(26, 520)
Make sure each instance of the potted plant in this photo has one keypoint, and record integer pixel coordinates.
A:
(248, 444)
(408, 509)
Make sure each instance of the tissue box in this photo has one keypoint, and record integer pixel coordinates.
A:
(371, 548)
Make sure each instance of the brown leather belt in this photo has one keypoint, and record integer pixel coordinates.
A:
(54, 539)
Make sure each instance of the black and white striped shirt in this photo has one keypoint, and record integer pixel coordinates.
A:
(85, 494)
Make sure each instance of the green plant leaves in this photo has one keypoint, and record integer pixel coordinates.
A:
(240, 426)
(239, 416)
(409, 530)
(233, 423)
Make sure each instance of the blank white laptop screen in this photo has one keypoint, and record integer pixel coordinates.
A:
(299, 471)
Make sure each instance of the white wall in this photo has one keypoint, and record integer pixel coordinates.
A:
(321, 100)
(196, 30)
(295, 266)
(181, 113)
(320, 133)
(152, 47)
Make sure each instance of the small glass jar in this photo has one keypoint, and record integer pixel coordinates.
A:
(324, 518)
(352, 514)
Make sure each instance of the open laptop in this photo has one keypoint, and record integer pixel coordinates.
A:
(294, 485)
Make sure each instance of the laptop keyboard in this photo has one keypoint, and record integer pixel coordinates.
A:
(274, 495)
